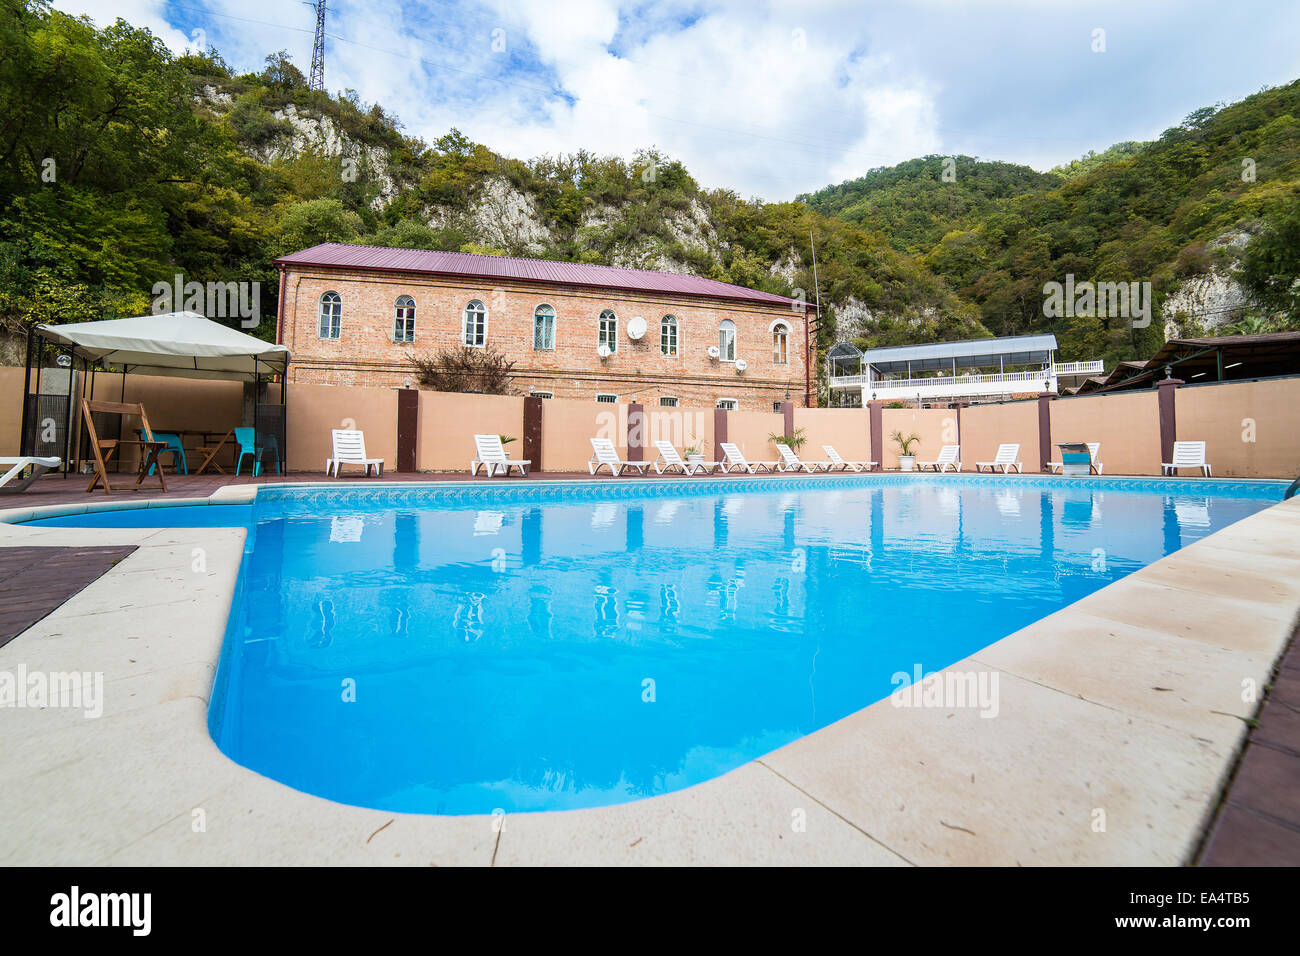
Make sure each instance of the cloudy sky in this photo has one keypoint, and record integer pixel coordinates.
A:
(768, 98)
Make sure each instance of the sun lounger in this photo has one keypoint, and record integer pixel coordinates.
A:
(1004, 461)
(669, 459)
(949, 457)
(492, 458)
(732, 457)
(605, 455)
(11, 483)
(350, 449)
(1187, 454)
(839, 464)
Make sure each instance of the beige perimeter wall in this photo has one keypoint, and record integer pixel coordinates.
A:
(450, 420)
(1250, 429)
(848, 430)
(315, 410)
(749, 431)
(936, 427)
(984, 427)
(1127, 424)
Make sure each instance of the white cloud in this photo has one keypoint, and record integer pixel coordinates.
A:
(768, 98)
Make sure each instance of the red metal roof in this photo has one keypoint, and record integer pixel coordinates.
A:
(383, 259)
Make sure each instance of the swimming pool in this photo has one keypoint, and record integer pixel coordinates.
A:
(544, 646)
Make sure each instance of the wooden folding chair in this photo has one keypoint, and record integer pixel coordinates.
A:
(105, 448)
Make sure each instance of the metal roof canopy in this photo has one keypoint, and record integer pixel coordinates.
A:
(1220, 358)
(971, 353)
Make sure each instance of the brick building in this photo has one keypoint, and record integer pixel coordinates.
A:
(353, 315)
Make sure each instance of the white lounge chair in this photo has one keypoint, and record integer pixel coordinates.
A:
(732, 457)
(839, 464)
(605, 455)
(790, 461)
(350, 449)
(1094, 447)
(492, 458)
(1187, 454)
(1004, 460)
(12, 484)
(949, 456)
(668, 459)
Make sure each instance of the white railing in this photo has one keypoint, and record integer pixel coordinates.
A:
(1079, 368)
(948, 386)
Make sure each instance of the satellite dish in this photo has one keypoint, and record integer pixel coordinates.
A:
(603, 351)
(741, 365)
(714, 351)
(635, 328)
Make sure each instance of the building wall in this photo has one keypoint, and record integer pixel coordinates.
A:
(365, 353)
(1249, 428)
(1126, 423)
(847, 430)
(985, 427)
(936, 427)
(450, 420)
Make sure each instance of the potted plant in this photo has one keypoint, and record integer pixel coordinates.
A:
(906, 458)
(795, 440)
(694, 450)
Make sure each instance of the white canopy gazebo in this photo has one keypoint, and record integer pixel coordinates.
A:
(183, 344)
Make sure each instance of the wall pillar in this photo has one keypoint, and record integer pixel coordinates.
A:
(636, 432)
(533, 431)
(1165, 389)
(787, 411)
(719, 429)
(877, 433)
(408, 427)
(1045, 429)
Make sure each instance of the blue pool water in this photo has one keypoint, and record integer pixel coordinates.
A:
(537, 648)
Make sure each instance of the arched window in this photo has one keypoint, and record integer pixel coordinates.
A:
(727, 340)
(404, 319)
(331, 315)
(668, 335)
(607, 332)
(474, 324)
(544, 327)
(781, 344)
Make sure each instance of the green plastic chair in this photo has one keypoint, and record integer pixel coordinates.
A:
(246, 439)
(174, 448)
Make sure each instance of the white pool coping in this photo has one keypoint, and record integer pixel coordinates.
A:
(1119, 719)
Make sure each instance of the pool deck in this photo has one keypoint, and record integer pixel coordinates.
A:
(1120, 719)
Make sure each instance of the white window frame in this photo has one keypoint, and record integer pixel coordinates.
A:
(537, 394)
(334, 318)
(781, 331)
(607, 398)
(727, 342)
(776, 407)
(404, 324)
(667, 324)
(668, 401)
(481, 334)
(730, 404)
(537, 312)
(607, 330)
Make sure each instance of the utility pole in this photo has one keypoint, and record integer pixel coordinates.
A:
(317, 79)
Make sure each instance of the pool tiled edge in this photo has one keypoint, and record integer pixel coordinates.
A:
(1118, 718)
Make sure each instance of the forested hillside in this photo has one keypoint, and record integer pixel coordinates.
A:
(122, 165)
(1209, 214)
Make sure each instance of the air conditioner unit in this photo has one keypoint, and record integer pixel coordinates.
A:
(603, 351)
(741, 365)
(714, 352)
(635, 328)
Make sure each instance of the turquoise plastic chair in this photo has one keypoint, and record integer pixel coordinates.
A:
(174, 447)
(245, 438)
